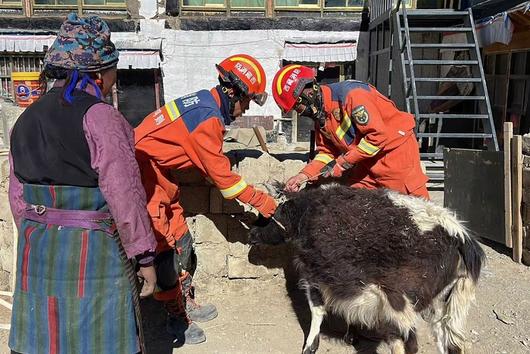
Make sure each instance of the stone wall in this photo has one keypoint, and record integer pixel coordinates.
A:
(10, 113)
(220, 226)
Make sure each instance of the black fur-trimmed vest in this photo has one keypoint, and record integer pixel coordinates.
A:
(48, 143)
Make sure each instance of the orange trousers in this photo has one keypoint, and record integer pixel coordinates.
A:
(165, 211)
(398, 169)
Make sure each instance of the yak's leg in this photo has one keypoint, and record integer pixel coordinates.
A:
(396, 346)
(316, 305)
(351, 335)
(411, 344)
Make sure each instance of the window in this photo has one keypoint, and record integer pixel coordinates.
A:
(344, 3)
(13, 63)
(247, 3)
(297, 3)
(10, 3)
(234, 4)
(203, 3)
(139, 93)
(75, 3)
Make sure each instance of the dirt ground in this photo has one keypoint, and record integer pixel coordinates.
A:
(273, 317)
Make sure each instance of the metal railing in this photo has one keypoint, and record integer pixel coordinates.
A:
(380, 8)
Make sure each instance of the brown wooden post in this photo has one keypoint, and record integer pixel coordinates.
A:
(508, 135)
(294, 126)
(269, 8)
(262, 142)
(517, 186)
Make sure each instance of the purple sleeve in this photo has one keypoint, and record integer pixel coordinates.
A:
(16, 198)
(111, 142)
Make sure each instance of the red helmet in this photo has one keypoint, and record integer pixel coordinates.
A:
(245, 73)
(289, 83)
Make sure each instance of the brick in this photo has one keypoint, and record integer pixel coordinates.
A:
(233, 206)
(239, 268)
(238, 249)
(216, 201)
(212, 261)
(238, 228)
(190, 176)
(266, 122)
(195, 199)
(209, 229)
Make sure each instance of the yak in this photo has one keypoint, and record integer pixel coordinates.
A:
(380, 260)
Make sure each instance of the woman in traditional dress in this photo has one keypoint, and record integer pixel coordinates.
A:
(79, 205)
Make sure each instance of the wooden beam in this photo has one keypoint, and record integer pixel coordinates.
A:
(262, 142)
(517, 187)
(508, 134)
(6, 304)
(294, 126)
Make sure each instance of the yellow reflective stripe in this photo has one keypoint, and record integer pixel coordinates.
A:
(254, 66)
(235, 190)
(281, 75)
(344, 126)
(173, 110)
(367, 148)
(324, 158)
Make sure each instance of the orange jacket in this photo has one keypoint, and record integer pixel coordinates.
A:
(360, 123)
(188, 132)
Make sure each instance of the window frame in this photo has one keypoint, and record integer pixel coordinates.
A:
(79, 5)
(11, 5)
(225, 7)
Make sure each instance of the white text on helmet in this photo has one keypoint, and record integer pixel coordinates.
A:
(247, 73)
(291, 79)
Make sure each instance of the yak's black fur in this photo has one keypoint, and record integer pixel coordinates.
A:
(347, 238)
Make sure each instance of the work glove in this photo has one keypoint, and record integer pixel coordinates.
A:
(264, 203)
(336, 168)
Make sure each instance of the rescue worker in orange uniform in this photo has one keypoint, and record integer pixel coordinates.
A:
(185, 133)
(357, 128)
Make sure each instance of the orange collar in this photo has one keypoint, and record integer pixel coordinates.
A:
(329, 104)
(216, 97)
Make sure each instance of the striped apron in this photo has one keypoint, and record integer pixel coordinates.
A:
(73, 289)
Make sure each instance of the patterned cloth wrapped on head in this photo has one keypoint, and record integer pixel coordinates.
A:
(83, 45)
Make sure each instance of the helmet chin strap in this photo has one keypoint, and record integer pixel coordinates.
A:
(313, 106)
(231, 100)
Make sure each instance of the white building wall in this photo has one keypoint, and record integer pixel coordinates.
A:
(189, 57)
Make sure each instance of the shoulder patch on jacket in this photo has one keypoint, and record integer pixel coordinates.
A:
(360, 114)
(196, 108)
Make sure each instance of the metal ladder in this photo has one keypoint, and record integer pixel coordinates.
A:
(405, 23)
